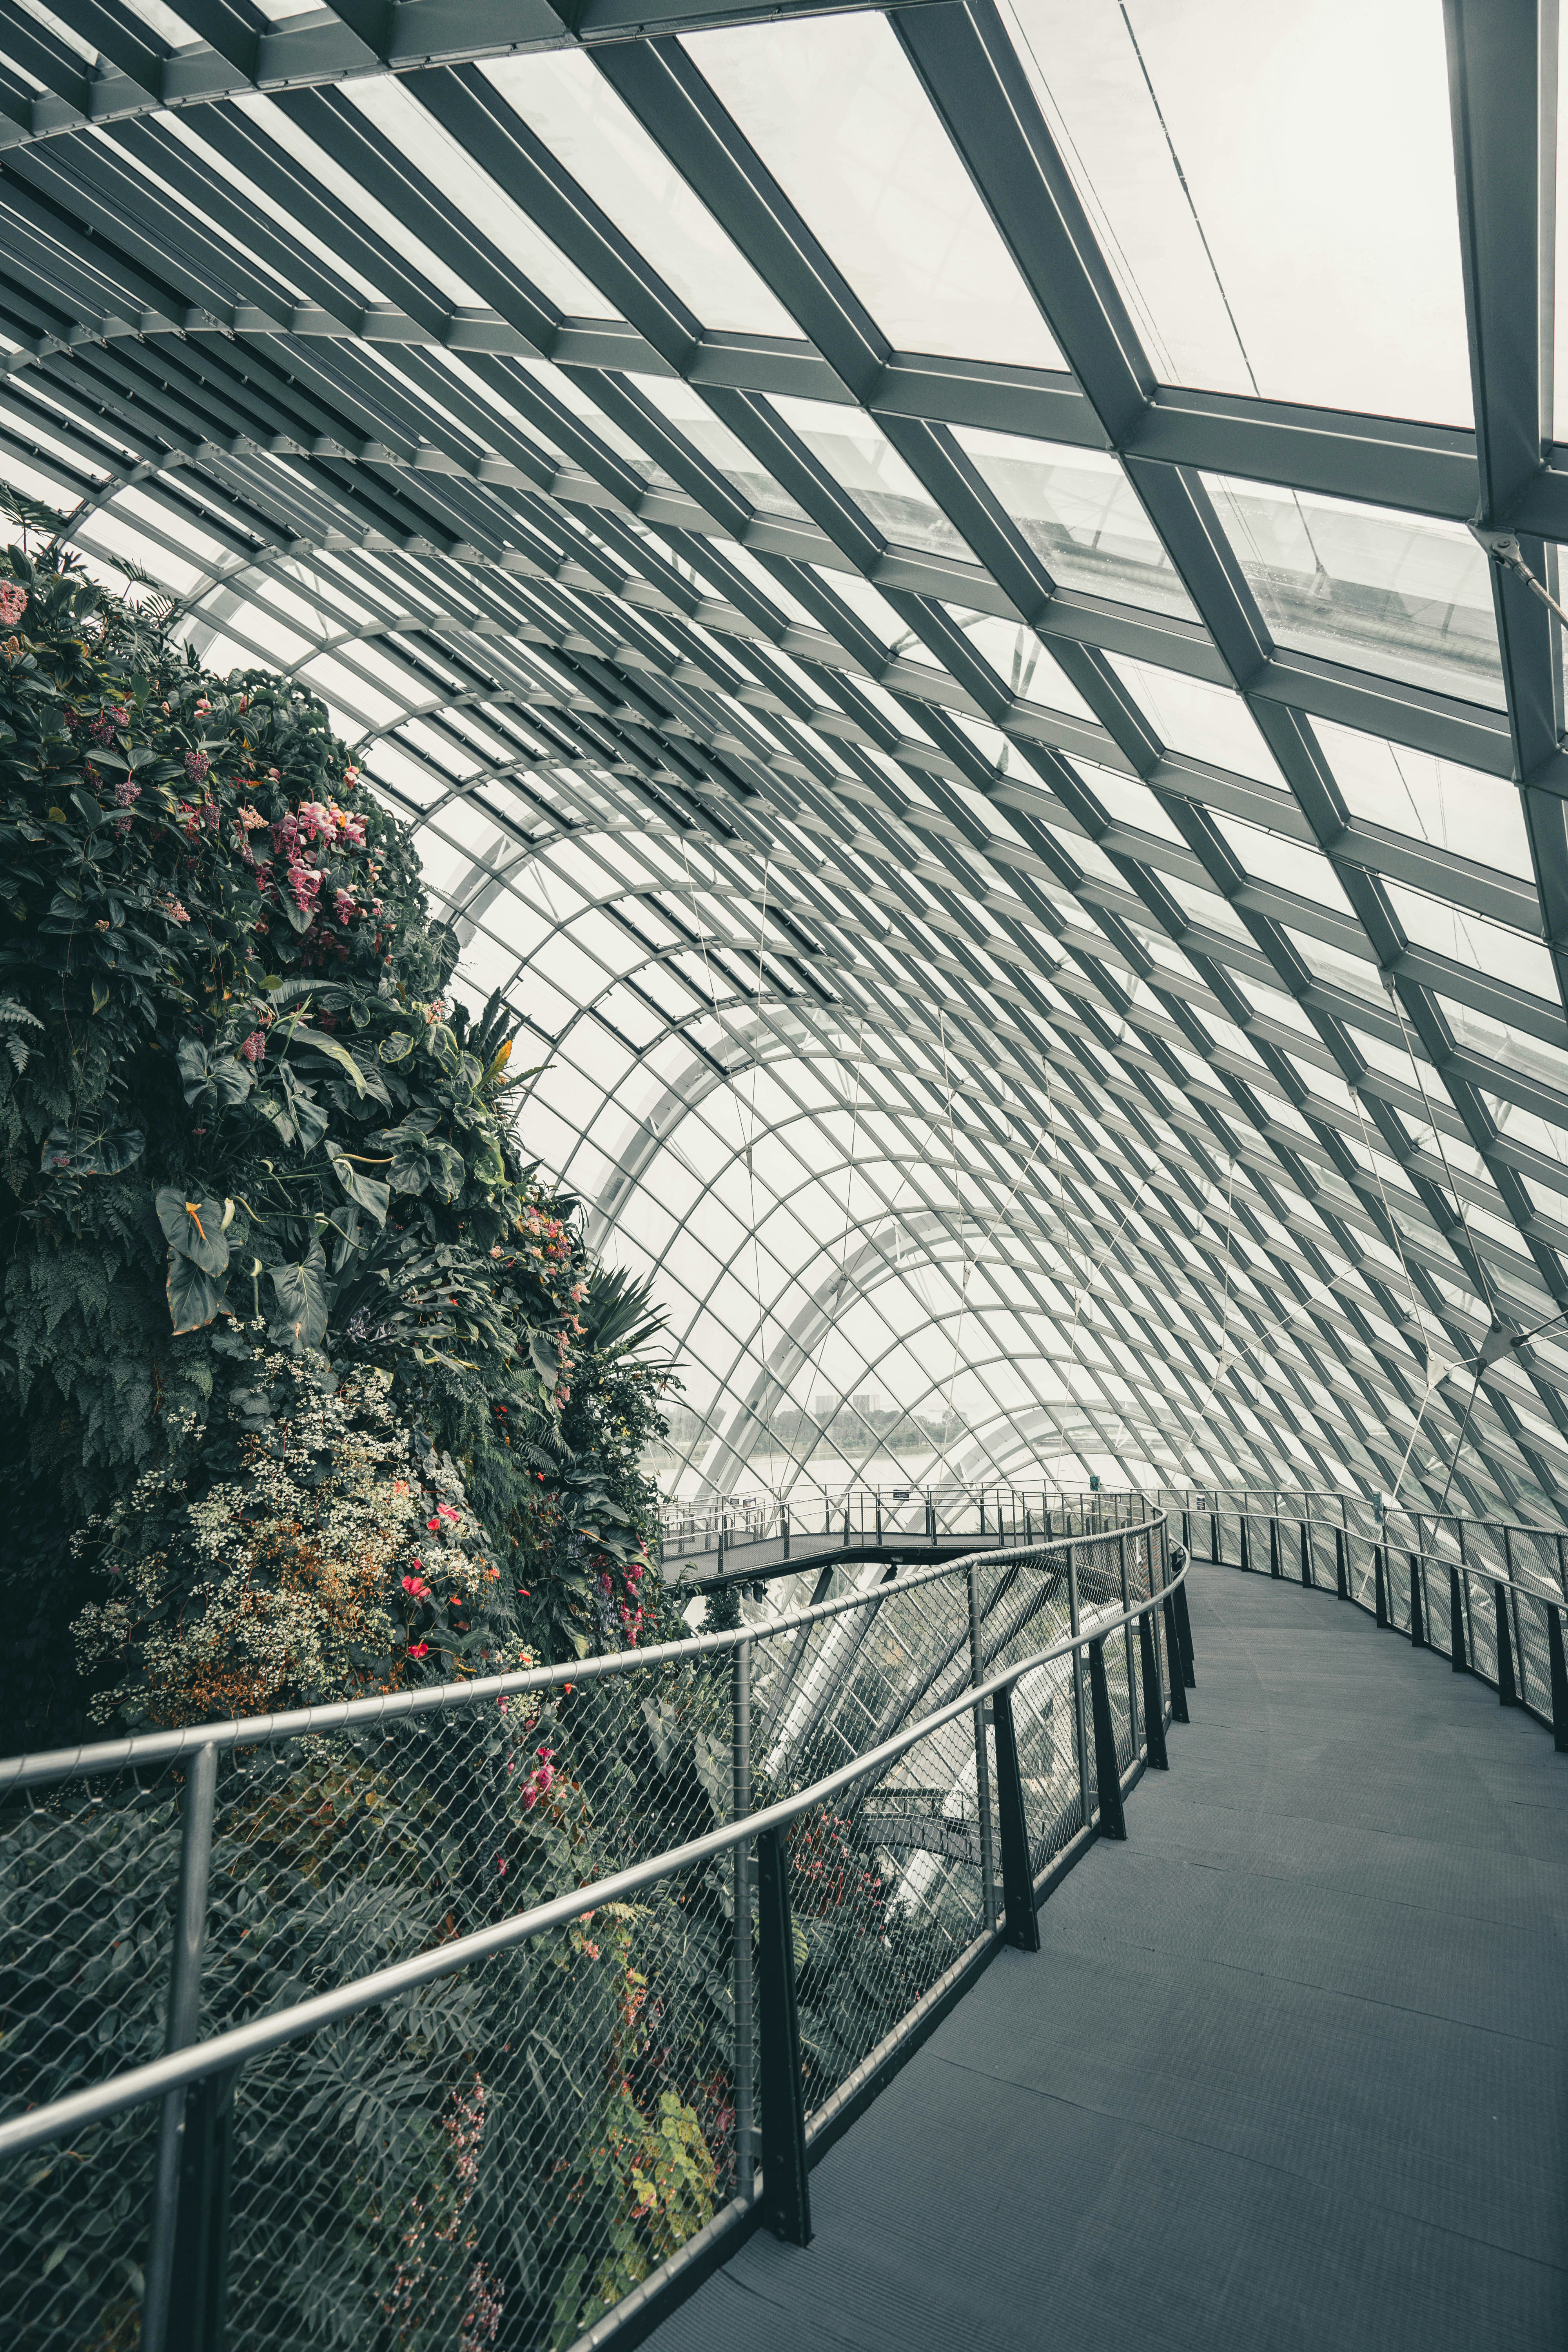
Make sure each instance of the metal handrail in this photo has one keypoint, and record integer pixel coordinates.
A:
(232, 2048)
(260, 1730)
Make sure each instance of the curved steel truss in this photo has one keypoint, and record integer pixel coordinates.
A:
(1025, 807)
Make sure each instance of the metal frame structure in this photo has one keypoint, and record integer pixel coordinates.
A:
(1091, 1589)
(913, 1023)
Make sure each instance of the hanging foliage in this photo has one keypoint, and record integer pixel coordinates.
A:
(249, 1150)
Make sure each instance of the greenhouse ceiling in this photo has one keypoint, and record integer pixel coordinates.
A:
(958, 597)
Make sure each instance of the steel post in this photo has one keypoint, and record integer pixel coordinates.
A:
(1079, 1718)
(1184, 1630)
(1021, 1927)
(982, 1758)
(180, 2031)
(199, 2279)
(1456, 1624)
(786, 2189)
(1106, 1769)
(1506, 1694)
(1154, 1696)
(1418, 1614)
(740, 1782)
(1559, 1678)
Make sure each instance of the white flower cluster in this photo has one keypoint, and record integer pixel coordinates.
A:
(294, 1580)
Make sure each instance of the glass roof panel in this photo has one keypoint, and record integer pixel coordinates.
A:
(870, 1095)
(417, 134)
(1407, 595)
(1479, 817)
(837, 114)
(562, 96)
(1081, 515)
(1274, 190)
(864, 462)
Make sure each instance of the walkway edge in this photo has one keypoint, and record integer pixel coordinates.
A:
(647, 2306)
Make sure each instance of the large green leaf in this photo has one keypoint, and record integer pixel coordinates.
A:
(194, 1230)
(194, 1297)
(367, 1191)
(302, 1297)
(91, 1155)
(221, 1074)
(321, 1044)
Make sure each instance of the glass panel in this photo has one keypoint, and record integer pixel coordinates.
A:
(724, 450)
(1208, 722)
(1438, 801)
(836, 112)
(452, 171)
(1469, 939)
(1021, 661)
(1272, 187)
(1406, 595)
(866, 464)
(1079, 512)
(570, 107)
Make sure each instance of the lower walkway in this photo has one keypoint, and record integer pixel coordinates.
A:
(1289, 2073)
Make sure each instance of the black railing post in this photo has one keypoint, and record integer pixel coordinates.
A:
(786, 2192)
(181, 2030)
(783, 1522)
(1456, 1622)
(1341, 1565)
(1559, 1678)
(1417, 1614)
(1153, 1697)
(1245, 1544)
(1381, 1592)
(1507, 1691)
(1020, 1927)
(1187, 1530)
(196, 2288)
(1307, 1549)
(1276, 1566)
(1184, 1633)
(1216, 1552)
(1106, 1769)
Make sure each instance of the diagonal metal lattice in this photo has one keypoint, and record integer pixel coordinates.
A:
(1034, 852)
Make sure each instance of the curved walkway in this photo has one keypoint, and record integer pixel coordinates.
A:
(1290, 2070)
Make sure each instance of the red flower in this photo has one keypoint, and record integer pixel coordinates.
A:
(417, 1586)
(419, 1649)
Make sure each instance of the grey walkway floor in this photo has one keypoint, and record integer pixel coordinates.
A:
(1290, 2070)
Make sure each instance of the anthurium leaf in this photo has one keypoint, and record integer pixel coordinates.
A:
(371, 1194)
(489, 1168)
(441, 1045)
(202, 1073)
(91, 1155)
(194, 1229)
(546, 1362)
(194, 1297)
(302, 1292)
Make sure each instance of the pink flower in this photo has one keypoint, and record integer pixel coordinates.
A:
(203, 707)
(445, 1511)
(343, 900)
(417, 1586)
(12, 604)
(126, 794)
(419, 1649)
(350, 778)
(249, 817)
(255, 1046)
(197, 766)
(173, 908)
(500, 1864)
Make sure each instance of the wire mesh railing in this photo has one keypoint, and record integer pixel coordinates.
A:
(454, 2019)
(1489, 1594)
(719, 1527)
